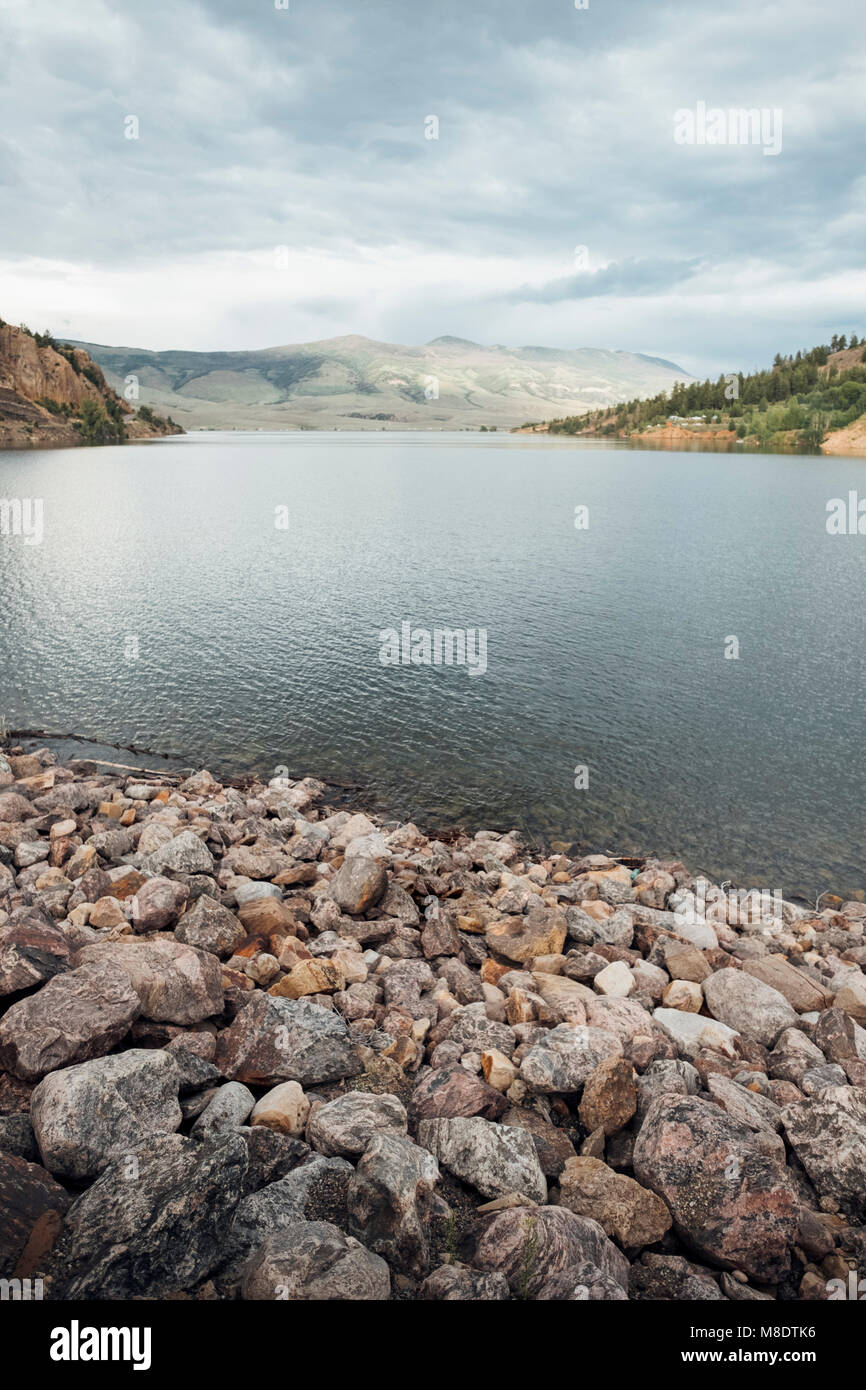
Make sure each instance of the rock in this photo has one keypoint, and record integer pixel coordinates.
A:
(17, 1137)
(153, 1223)
(174, 982)
(313, 1261)
(211, 927)
(521, 939)
(86, 1115)
(81, 1014)
(358, 885)
(584, 1283)
(565, 1058)
(682, 994)
(309, 977)
(801, 992)
(450, 1091)
(670, 1277)
(492, 1158)
(285, 1108)
(615, 980)
(457, 1282)
(348, 1124)
(553, 1146)
(729, 1201)
(748, 1005)
(31, 1208)
(852, 998)
(228, 1110)
(628, 1213)
(157, 904)
(828, 1134)
(275, 1040)
(185, 854)
(609, 1096)
(693, 1032)
(31, 951)
(536, 1248)
(499, 1071)
(107, 912)
(835, 1036)
(390, 1200)
(746, 1107)
(471, 1027)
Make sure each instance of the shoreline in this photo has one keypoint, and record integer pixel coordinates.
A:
(466, 1070)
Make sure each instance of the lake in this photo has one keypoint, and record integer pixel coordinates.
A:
(222, 598)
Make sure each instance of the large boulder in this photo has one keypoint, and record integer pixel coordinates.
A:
(185, 854)
(78, 1015)
(390, 1201)
(494, 1159)
(211, 927)
(748, 1005)
(729, 1200)
(446, 1092)
(274, 1039)
(83, 1116)
(828, 1134)
(566, 1057)
(153, 1224)
(544, 1249)
(313, 1262)
(358, 885)
(31, 951)
(628, 1213)
(175, 983)
(31, 1207)
(349, 1123)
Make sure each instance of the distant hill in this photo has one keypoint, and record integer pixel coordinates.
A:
(54, 394)
(810, 400)
(356, 383)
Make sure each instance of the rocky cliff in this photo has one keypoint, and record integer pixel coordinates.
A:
(51, 393)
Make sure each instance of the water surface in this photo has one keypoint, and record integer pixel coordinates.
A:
(166, 608)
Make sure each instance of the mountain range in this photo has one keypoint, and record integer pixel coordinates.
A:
(357, 383)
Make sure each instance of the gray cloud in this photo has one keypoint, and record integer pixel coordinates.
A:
(305, 128)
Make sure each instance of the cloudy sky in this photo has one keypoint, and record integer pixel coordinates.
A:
(282, 187)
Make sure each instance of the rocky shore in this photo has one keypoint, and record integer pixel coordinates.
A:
(254, 1047)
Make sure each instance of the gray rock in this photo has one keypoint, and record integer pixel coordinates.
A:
(494, 1159)
(313, 1261)
(153, 1224)
(748, 1005)
(86, 1115)
(458, 1283)
(348, 1124)
(566, 1057)
(274, 1039)
(828, 1134)
(185, 854)
(78, 1015)
(157, 904)
(17, 1137)
(390, 1201)
(174, 982)
(228, 1110)
(358, 885)
(540, 1249)
(211, 927)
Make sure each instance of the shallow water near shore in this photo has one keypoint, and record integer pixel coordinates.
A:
(165, 608)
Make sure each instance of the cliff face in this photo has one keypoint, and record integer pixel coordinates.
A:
(54, 394)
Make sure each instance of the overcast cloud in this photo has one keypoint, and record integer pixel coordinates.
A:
(555, 207)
